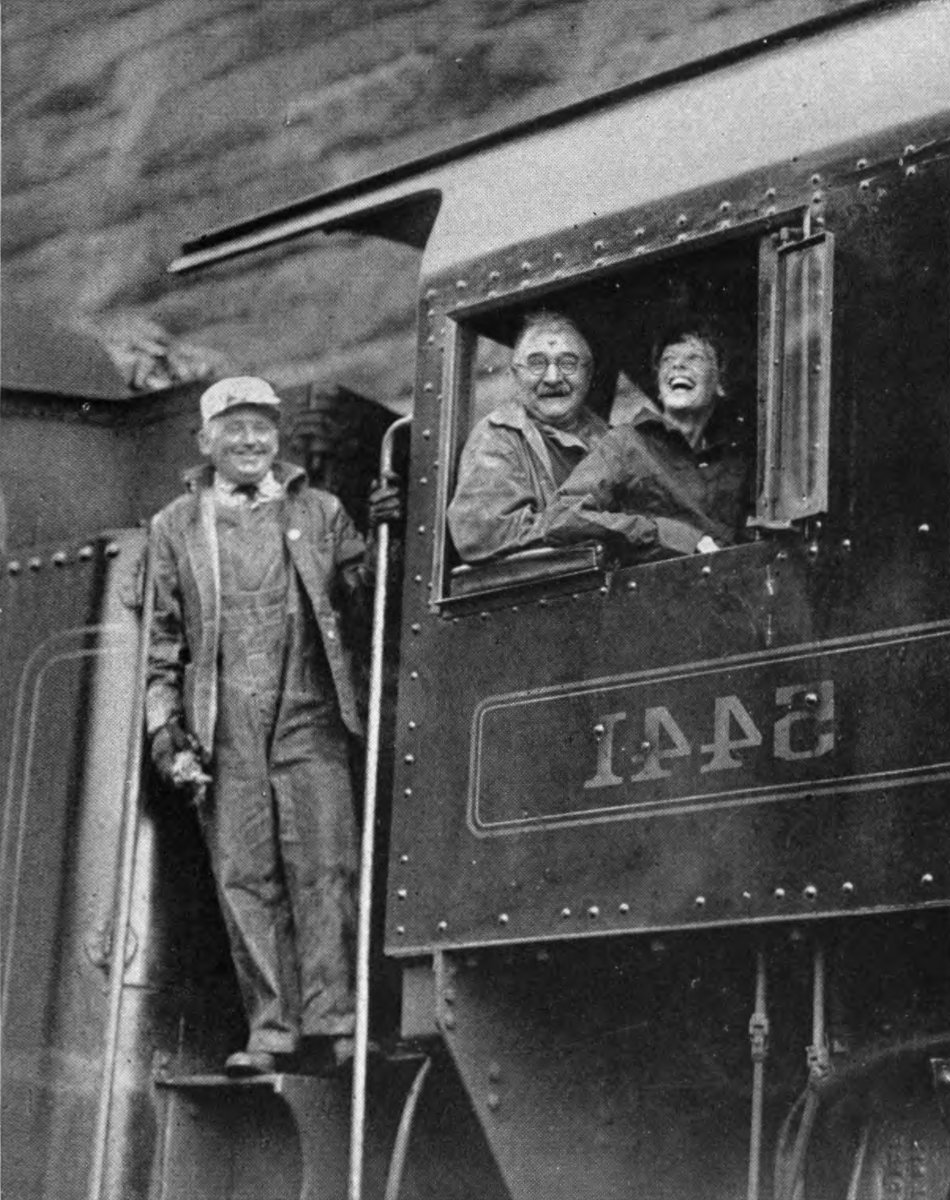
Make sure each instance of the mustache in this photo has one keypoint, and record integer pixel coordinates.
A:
(561, 388)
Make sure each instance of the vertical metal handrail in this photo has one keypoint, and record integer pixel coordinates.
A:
(129, 827)
(758, 1035)
(374, 718)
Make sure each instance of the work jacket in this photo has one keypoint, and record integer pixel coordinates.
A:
(327, 552)
(644, 485)
(507, 481)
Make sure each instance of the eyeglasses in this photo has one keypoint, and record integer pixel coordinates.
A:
(567, 364)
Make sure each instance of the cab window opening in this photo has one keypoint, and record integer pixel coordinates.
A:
(717, 292)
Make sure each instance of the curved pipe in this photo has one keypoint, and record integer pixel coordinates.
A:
(126, 874)
(397, 1163)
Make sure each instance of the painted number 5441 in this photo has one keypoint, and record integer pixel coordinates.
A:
(804, 729)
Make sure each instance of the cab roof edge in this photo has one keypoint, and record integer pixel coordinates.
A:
(408, 217)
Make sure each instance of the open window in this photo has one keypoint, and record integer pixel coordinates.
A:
(767, 292)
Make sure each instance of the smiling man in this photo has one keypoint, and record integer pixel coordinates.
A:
(516, 457)
(249, 702)
(671, 482)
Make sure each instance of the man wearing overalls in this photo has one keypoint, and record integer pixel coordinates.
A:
(250, 680)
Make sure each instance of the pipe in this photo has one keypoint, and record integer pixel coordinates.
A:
(758, 1034)
(374, 717)
(401, 1145)
(129, 827)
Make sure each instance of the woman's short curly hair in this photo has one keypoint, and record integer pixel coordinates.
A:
(691, 326)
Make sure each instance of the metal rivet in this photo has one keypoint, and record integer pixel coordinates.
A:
(413, 674)
(865, 185)
(632, 585)
(35, 564)
(565, 913)
(412, 725)
(461, 284)
(112, 550)
(646, 747)
(747, 896)
(431, 294)
(811, 699)
(816, 198)
(494, 1072)
(526, 266)
(494, 276)
(682, 220)
(623, 908)
(423, 480)
(428, 387)
(924, 528)
(861, 164)
(416, 627)
(404, 858)
(604, 590)
(14, 567)
(593, 912)
(845, 543)
(402, 894)
(813, 548)
(407, 792)
(409, 758)
(725, 206)
(494, 1101)
(779, 893)
(400, 930)
(427, 433)
(599, 245)
(442, 926)
(815, 180)
(810, 892)
(449, 1020)
(911, 170)
(770, 193)
(421, 529)
(707, 570)
(926, 879)
(558, 256)
(599, 730)
(847, 887)
(85, 553)
(503, 918)
(417, 578)
(700, 901)
(60, 559)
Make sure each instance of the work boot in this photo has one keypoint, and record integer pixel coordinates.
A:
(250, 1062)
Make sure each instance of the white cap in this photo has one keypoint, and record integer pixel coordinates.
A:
(232, 393)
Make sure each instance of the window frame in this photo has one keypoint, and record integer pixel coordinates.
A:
(457, 383)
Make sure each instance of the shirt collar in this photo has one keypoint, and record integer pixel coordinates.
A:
(717, 433)
(516, 416)
(230, 494)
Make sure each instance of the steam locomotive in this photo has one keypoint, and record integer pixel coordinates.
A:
(662, 849)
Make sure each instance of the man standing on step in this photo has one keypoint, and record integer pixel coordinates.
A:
(250, 698)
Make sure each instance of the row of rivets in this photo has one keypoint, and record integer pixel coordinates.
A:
(59, 559)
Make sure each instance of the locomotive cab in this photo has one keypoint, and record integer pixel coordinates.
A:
(664, 864)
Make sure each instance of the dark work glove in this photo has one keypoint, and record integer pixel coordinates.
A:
(385, 502)
(177, 756)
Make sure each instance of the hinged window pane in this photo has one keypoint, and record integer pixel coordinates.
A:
(794, 380)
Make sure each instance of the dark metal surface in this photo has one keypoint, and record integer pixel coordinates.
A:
(759, 643)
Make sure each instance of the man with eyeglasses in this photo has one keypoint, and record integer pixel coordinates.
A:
(673, 481)
(517, 457)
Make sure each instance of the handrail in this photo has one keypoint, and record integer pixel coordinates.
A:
(374, 716)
